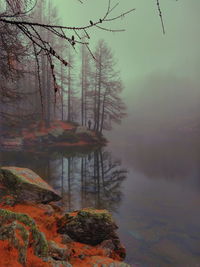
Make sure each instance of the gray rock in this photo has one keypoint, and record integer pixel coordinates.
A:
(58, 253)
(108, 246)
(92, 227)
(88, 226)
(66, 239)
(27, 186)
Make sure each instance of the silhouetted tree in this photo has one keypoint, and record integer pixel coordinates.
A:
(86, 78)
(15, 15)
(108, 106)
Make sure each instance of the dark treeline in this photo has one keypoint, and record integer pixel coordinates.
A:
(35, 86)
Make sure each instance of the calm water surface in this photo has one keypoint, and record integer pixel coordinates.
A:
(151, 185)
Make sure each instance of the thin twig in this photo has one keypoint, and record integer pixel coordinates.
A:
(161, 17)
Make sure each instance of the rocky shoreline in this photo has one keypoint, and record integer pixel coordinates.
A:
(35, 231)
(57, 134)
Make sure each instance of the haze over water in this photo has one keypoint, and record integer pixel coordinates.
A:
(149, 174)
(150, 183)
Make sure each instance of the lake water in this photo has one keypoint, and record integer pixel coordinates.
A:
(151, 186)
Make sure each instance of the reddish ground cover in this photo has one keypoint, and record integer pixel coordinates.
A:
(57, 134)
(82, 255)
(42, 128)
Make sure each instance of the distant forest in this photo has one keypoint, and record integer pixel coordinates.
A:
(47, 75)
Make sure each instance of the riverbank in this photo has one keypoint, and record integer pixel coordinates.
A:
(35, 230)
(57, 134)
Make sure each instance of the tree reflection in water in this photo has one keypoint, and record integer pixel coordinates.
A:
(83, 179)
(93, 180)
(101, 179)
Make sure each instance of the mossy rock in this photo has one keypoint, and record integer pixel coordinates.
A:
(58, 253)
(88, 226)
(27, 186)
(11, 222)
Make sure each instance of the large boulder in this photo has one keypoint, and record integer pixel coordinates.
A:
(91, 227)
(27, 186)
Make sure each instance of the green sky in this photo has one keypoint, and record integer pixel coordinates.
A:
(142, 48)
(144, 54)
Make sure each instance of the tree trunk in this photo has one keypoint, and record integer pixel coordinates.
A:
(99, 96)
(69, 88)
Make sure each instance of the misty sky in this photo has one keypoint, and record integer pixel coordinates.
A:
(151, 64)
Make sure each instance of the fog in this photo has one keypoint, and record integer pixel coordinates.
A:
(160, 72)
(147, 175)
(164, 100)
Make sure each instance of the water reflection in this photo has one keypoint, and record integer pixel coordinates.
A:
(93, 180)
(84, 180)
(162, 201)
(156, 207)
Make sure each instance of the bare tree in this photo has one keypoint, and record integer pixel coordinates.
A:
(15, 17)
(86, 85)
(108, 106)
(26, 36)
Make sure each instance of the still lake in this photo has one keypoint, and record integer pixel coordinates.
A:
(151, 186)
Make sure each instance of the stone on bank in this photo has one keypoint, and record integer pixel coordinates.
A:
(36, 234)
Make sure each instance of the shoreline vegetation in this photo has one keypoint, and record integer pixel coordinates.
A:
(58, 134)
(36, 231)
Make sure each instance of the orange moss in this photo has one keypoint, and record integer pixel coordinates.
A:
(79, 249)
(41, 128)
(19, 237)
(65, 125)
(45, 223)
(73, 213)
(34, 261)
(8, 255)
(82, 255)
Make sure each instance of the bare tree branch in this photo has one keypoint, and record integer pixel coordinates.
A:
(160, 14)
